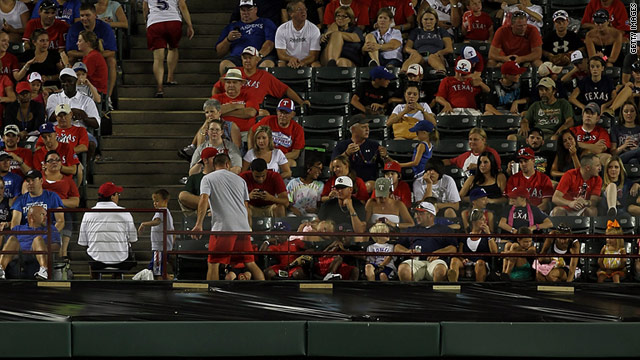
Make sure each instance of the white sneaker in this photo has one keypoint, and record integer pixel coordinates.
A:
(2, 277)
(332, 276)
(42, 274)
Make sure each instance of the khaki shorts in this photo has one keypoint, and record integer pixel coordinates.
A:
(423, 269)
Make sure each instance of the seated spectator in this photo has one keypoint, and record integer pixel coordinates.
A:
(616, 10)
(547, 69)
(628, 62)
(477, 61)
(7, 95)
(457, 94)
(250, 30)
(625, 135)
(578, 191)
(36, 196)
(334, 267)
(435, 183)
(597, 87)
(449, 13)
(508, 95)
(11, 182)
(428, 136)
(288, 265)
(384, 44)
(593, 138)
(519, 268)
(9, 61)
(343, 39)
(38, 94)
(111, 12)
(554, 267)
(44, 60)
(263, 148)
(189, 197)
(359, 13)
(425, 268)
(267, 193)
(57, 29)
(627, 92)
(238, 105)
(25, 113)
(519, 42)
(96, 67)
(367, 156)
(617, 189)
(614, 268)
(536, 183)
(372, 97)
(230, 130)
(298, 40)
(533, 12)
(402, 13)
(385, 209)
(477, 24)
(489, 177)
(542, 159)
(305, 191)
(340, 166)
(603, 40)
(522, 214)
(380, 267)
(347, 214)
(568, 154)
(36, 221)
(559, 44)
(222, 145)
(474, 244)
(550, 114)
(269, 9)
(70, 162)
(579, 67)
(84, 85)
(478, 144)
(67, 10)
(478, 199)
(407, 115)
(428, 44)
(5, 210)
(22, 159)
(288, 135)
(75, 136)
(399, 189)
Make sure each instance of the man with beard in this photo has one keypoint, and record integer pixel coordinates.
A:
(550, 114)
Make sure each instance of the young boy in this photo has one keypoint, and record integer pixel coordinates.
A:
(160, 201)
(84, 86)
(477, 24)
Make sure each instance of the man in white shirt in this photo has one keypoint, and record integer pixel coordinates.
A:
(298, 40)
(434, 183)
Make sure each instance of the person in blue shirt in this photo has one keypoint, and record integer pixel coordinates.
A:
(36, 196)
(68, 11)
(12, 181)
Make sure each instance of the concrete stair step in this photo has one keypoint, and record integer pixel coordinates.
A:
(150, 143)
(154, 180)
(192, 53)
(160, 104)
(136, 155)
(209, 6)
(137, 191)
(185, 66)
(182, 91)
(187, 79)
(150, 167)
(200, 18)
(207, 29)
(151, 116)
(138, 42)
(179, 128)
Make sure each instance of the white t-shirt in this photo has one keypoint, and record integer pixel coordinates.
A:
(416, 115)
(78, 101)
(156, 232)
(162, 11)
(298, 43)
(277, 158)
(380, 248)
(444, 190)
(13, 17)
(391, 34)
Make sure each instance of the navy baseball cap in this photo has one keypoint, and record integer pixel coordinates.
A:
(379, 72)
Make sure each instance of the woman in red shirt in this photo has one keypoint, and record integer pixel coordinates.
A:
(97, 70)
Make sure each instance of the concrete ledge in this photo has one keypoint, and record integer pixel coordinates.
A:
(35, 339)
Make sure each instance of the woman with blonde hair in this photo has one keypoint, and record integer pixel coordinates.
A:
(616, 188)
(264, 148)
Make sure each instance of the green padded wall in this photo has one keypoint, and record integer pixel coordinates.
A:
(35, 339)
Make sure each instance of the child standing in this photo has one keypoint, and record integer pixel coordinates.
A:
(613, 267)
(160, 201)
(379, 267)
(422, 152)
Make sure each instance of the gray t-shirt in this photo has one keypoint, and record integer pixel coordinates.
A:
(227, 195)
(156, 232)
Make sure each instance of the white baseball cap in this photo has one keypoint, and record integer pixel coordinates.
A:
(415, 69)
(470, 54)
(344, 181)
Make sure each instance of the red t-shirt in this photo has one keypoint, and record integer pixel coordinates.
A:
(478, 28)
(359, 11)
(74, 135)
(539, 186)
(289, 245)
(460, 159)
(361, 195)
(5, 82)
(25, 154)
(460, 94)
(401, 10)
(243, 98)
(618, 16)
(510, 44)
(65, 188)
(285, 139)
(9, 65)
(97, 71)
(593, 136)
(273, 184)
(67, 155)
(57, 32)
(401, 192)
(572, 183)
(259, 85)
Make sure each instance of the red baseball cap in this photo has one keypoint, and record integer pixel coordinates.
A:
(512, 68)
(526, 153)
(392, 166)
(208, 153)
(107, 189)
(517, 192)
(286, 105)
(23, 86)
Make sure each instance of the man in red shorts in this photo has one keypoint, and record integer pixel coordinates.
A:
(226, 194)
(164, 27)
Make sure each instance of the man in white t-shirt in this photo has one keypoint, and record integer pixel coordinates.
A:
(298, 40)
(434, 183)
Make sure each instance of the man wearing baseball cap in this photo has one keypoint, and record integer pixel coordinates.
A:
(70, 162)
(476, 60)
(347, 214)
(558, 45)
(415, 74)
(617, 14)
(550, 114)
(519, 42)
(75, 136)
(372, 97)
(56, 28)
(592, 137)
(508, 95)
(14, 111)
(457, 94)
(108, 235)
(22, 158)
(238, 105)
(250, 31)
(538, 185)
(431, 268)
(437, 184)
(189, 197)
(288, 135)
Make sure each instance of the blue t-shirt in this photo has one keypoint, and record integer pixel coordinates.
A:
(102, 30)
(428, 41)
(429, 244)
(27, 240)
(418, 170)
(12, 185)
(68, 12)
(253, 34)
(48, 200)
